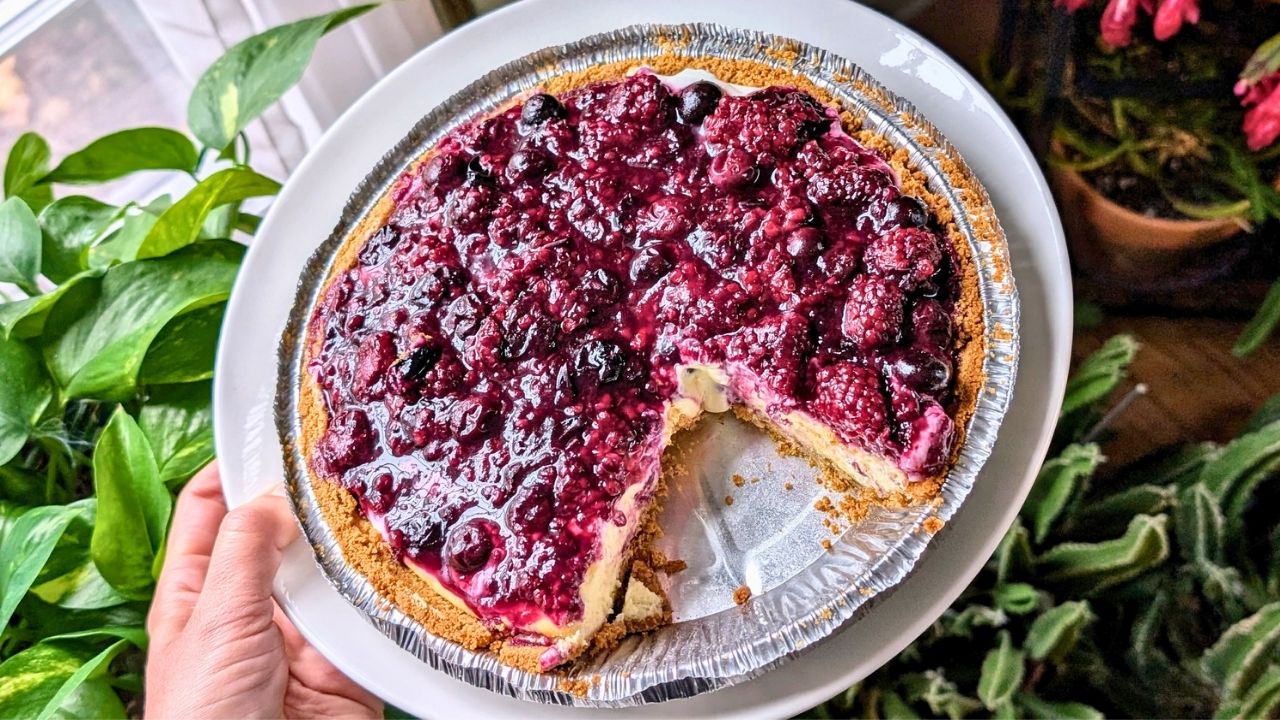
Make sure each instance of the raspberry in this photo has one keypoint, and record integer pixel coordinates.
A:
(766, 126)
(873, 313)
(908, 256)
(373, 357)
(848, 397)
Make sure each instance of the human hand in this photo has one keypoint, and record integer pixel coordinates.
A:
(220, 646)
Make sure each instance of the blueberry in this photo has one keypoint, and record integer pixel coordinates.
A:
(697, 101)
(804, 243)
(540, 108)
(469, 546)
(443, 170)
(651, 263)
(922, 370)
(904, 211)
(420, 362)
(600, 362)
(528, 164)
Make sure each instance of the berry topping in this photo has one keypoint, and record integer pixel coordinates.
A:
(872, 315)
(908, 256)
(496, 364)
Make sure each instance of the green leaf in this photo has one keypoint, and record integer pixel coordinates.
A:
(1089, 567)
(97, 344)
(1260, 327)
(43, 620)
(1099, 373)
(180, 225)
(25, 547)
(69, 578)
(133, 507)
(127, 151)
(123, 244)
(1035, 707)
(95, 665)
(72, 226)
(25, 318)
(253, 74)
(35, 675)
(185, 348)
(1236, 471)
(1264, 61)
(1016, 598)
(1242, 654)
(1057, 630)
(940, 694)
(1013, 556)
(1267, 413)
(19, 245)
(1110, 514)
(1261, 700)
(893, 706)
(28, 162)
(1200, 525)
(1002, 673)
(1061, 480)
(178, 423)
(25, 392)
(962, 623)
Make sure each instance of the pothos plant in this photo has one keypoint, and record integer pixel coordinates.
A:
(1149, 593)
(106, 355)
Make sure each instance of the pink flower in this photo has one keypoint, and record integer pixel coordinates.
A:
(1172, 14)
(1262, 120)
(1072, 5)
(1118, 21)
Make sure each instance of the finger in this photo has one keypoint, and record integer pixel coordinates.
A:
(196, 519)
(200, 510)
(246, 556)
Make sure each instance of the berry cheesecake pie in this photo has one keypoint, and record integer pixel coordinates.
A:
(507, 343)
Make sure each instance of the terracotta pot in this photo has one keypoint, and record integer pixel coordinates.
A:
(1116, 243)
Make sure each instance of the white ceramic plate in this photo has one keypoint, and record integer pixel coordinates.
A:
(312, 200)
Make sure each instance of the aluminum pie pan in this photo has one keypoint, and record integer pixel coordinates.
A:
(802, 593)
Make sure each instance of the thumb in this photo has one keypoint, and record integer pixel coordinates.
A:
(247, 554)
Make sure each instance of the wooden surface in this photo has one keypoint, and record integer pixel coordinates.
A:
(1197, 390)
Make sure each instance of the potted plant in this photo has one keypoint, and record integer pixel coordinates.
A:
(1158, 152)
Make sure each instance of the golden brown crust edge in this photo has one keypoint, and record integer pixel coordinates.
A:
(367, 553)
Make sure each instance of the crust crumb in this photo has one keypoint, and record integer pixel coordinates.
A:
(728, 499)
(788, 486)
(933, 524)
(739, 481)
(826, 544)
(742, 594)
(574, 686)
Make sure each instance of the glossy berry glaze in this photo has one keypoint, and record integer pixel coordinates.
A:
(497, 362)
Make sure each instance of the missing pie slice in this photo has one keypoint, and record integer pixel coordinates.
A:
(507, 343)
